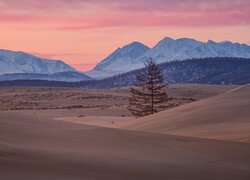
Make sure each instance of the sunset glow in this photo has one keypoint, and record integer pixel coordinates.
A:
(83, 32)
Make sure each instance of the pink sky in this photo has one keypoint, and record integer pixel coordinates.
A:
(83, 32)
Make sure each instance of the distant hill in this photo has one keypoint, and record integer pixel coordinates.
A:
(194, 71)
(133, 56)
(69, 76)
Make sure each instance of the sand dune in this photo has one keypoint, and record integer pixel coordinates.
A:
(116, 113)
(225, 116)
(37, 148)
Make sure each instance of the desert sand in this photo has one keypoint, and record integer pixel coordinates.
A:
(225, 116)
(25, 98)
(58, 139)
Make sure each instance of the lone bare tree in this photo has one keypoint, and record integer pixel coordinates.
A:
(149, 94)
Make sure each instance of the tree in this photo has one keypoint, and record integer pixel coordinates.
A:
(149, 94)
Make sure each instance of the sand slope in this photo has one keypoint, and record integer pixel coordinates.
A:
(225, 116)
(37, 148)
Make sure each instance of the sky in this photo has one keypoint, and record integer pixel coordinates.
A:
(83, 32)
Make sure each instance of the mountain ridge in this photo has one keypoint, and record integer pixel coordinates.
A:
(21, 62)
(118, 59)
(169, 49)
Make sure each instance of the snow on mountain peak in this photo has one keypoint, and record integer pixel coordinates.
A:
(20, 62)
(165, 41)
(134, 55)
(120, 58)
(210, 42)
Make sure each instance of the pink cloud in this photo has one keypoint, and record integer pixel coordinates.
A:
(69, 15)
(121, 5)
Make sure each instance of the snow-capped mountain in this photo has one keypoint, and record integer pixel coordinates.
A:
(216, 70)
(121, 60)
(169, 49)
(19, 62)
(166, 50)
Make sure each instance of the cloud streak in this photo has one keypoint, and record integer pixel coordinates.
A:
(71, 15)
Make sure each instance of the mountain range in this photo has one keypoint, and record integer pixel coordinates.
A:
(133, 56)
(217, 70)
(16, 65)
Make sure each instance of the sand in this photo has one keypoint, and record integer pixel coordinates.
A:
(28, 98)
(225, 116)
(44, 149)
(61, 143)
